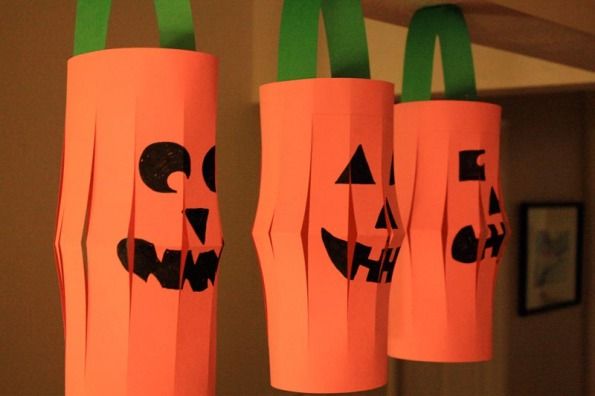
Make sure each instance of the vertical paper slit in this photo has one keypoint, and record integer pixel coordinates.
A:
(84, 236)
(185, 250)
(59, 266)
(482, 236)
(445, 252)
(57, 251)
(130, 245)
(305, 231)
(351, 241)
(410, 244)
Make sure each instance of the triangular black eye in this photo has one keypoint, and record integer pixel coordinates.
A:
(494, 203)
(391, 179)
(357, 171)
(381, 222)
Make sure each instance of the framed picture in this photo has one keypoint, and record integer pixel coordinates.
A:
(551, 236)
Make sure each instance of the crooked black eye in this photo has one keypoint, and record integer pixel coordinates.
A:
(357, 170)
(208, 169)
(469, 168)
(161, 159)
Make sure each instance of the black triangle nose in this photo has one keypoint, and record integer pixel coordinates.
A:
(385, 212)
(198, 220)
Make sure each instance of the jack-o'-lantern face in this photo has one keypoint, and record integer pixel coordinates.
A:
(470, 245)
(353, 197)
(357, 173)
(182, 216)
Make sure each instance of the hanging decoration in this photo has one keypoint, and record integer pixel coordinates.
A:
(138, 236)
(327, 225)
(448, 187)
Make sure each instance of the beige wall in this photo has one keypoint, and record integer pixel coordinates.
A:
(542, 148)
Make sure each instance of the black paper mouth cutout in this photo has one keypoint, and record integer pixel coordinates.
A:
(336, 249)
(167, 270)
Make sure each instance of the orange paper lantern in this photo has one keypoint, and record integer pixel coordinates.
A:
(326, 228)
(138, 235)
(448, 187)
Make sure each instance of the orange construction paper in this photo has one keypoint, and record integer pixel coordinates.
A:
(138, 237)
(448, 187)
(323, 215)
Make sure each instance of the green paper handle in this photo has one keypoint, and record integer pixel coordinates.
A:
(448, 24)
(346, 38)
(174, 17)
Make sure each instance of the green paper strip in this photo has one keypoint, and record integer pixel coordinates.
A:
(90, 31)
(448, 24)
(174, 17)
(346, 37)
(176, 28)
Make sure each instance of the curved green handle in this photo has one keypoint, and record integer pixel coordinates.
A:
(448, 24)
(174, 17)
(346, 37)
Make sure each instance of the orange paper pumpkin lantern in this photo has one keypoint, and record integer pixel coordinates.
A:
(138, 235)
(326, 228)
(448, 186)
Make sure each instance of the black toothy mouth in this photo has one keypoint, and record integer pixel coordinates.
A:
(336, 249)
(167, 270)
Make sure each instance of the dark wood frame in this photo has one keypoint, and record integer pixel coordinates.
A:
(524, 249)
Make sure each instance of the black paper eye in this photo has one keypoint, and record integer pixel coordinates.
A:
(208, 169)
(469, 169)
(357, 171)
(161, 159)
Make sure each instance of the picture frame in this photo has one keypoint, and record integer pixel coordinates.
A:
(551, 255)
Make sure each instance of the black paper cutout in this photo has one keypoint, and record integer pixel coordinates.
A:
(208, 169)
(336, 249)
(469, 168)
(198, 220)
(167, 270)
(357, 171)
(381, 222)
(465, 243)
(494, 203)
(495, 240)
(161, 159)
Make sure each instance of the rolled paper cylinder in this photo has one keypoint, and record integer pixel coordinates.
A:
(448, 184)
(327, 231)
(448, 187)
(138, 235)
